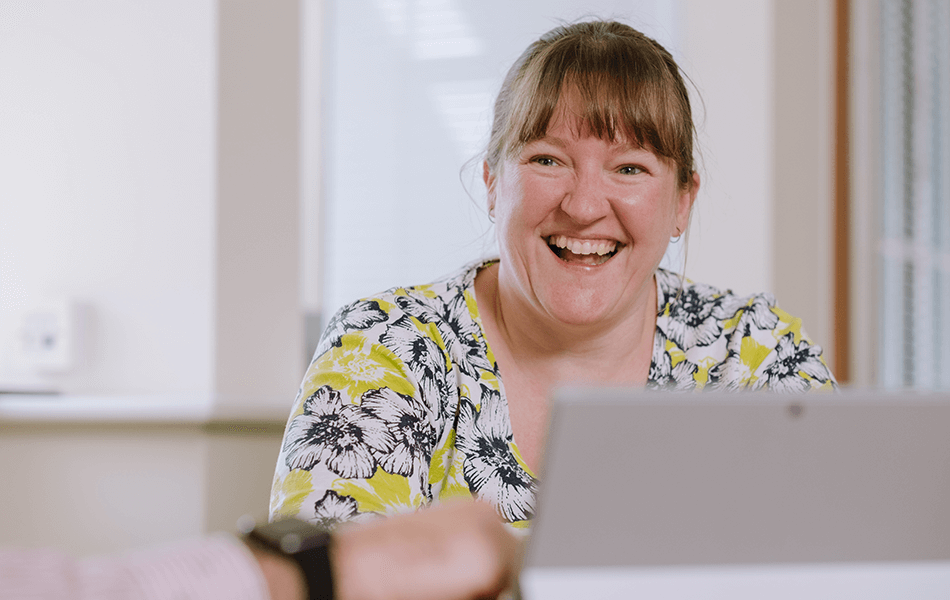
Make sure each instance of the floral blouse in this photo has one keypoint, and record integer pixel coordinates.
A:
(403, 404)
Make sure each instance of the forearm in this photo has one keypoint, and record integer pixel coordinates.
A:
(285, 581)
(453, 552)
(213, 567)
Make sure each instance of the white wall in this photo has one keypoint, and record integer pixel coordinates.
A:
(728, 48)
(149, 172)
(107, 182)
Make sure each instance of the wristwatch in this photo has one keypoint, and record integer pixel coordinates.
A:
(304, 543)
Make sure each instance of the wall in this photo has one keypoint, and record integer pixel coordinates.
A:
(803, 156)
(107, 183)
(107, 486)
(763, 219)
(149, 172)
(731, 238)
(258, 323)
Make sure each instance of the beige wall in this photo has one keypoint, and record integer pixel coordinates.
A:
(803, 263)
(763, 220)
(259, 348)
(88, 488)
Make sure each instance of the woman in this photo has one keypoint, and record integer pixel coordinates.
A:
(435, 391)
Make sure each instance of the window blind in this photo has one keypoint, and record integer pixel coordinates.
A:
(915, 200)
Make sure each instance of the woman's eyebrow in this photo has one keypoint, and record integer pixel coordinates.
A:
(553, 140)
(631, 147)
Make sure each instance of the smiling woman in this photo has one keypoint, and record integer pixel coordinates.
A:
(429, 392)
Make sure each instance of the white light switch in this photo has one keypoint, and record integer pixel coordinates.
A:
(46, 337)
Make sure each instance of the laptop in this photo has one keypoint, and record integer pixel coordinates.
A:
(666, 495)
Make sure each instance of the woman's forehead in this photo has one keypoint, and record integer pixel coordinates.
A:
(568, 125)
(573, 115)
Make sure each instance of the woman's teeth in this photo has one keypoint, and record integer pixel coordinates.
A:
(588, 252)
(583, 246)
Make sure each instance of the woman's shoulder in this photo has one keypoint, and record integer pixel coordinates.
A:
(696, 315)
(742, 340)
(428, 299)
(686, 300)
(446, 298)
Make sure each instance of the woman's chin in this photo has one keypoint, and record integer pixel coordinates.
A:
(581, 311)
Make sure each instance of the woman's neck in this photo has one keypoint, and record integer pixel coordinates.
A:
(614, 351)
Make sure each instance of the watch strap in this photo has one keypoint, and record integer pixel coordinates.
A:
(315, 564)
(306, 545)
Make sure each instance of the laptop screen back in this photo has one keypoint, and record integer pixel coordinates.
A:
(693, 486)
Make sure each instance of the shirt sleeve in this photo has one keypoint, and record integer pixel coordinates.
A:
(212, 567)
(792, 362)
(359, 440)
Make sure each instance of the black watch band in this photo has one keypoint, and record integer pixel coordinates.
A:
(307, 545)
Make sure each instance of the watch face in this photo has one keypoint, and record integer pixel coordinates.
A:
(291, 535)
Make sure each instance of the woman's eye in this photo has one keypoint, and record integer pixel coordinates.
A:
(545, 161)
(630, 170)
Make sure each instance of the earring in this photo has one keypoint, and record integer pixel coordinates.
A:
(677, 237)
(491, 214)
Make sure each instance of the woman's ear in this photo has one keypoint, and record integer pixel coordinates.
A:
(489, 178)
(685, 203)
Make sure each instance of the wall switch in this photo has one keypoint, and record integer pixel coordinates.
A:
(47, 337)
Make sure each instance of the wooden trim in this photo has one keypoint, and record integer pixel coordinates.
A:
(842, 199)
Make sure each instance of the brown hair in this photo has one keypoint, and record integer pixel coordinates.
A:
(628, 85)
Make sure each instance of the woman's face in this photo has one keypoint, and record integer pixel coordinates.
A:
(583, 223)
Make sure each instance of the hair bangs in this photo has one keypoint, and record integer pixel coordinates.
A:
(611, 81)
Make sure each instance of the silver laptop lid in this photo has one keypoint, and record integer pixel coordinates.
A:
(634, 479)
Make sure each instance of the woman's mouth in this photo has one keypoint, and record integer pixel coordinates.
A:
(584, 252)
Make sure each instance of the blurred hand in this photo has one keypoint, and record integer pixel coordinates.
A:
(455, 551)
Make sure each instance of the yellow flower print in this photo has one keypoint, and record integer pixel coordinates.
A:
(445, 471)
(789, 324)
(289, 494)
(751, 355)
(383, 493)
(356, 366)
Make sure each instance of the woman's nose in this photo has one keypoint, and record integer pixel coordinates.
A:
(586, 200)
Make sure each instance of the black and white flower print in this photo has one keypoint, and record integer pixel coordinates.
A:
(728, 376)
(425, 360)
(683, 376)
(695, 317)
(661, 365)
(784, 374)
(668, 285)
(333, 509)
(358, 316)
(462, 337)
(490, 467)
(731, 374)
(344, 437)
(409, 422)
(663, 375)
(759, 313)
